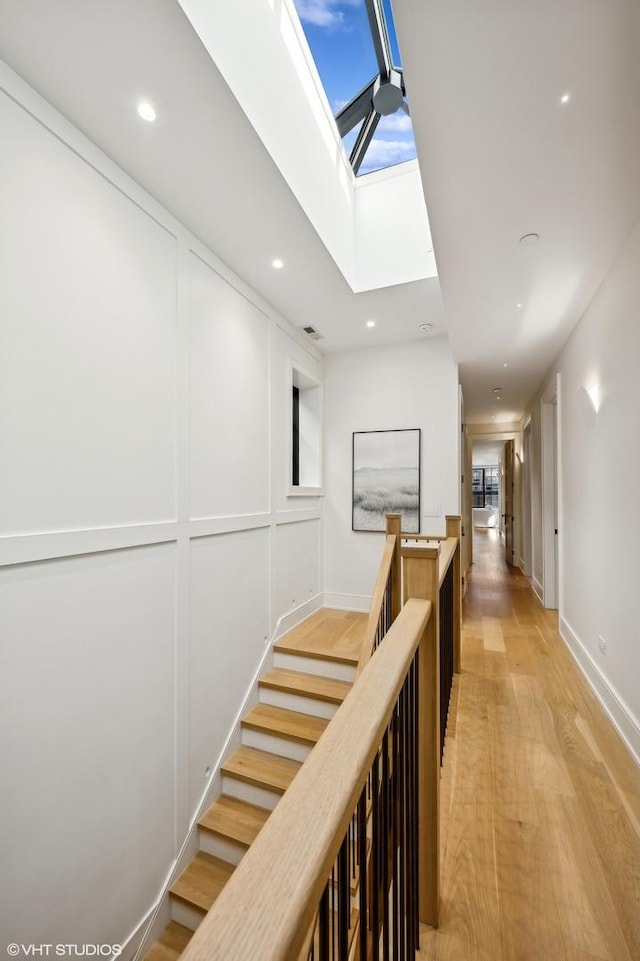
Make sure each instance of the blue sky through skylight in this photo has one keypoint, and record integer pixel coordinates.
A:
(338, 34)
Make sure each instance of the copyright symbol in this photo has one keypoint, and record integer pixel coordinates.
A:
(13, 950)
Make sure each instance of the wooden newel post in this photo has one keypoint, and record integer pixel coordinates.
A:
(421, 579)
(454, 529)
(394, 526)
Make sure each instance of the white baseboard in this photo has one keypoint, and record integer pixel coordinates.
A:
(292, 618)
(131, 946)
(537, 589)
(360, 603)
(618, 712)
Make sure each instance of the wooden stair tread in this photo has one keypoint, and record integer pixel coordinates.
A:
(170, 944)
(232, 818)
(328, 635)
(307, 685)
(202, 881)
(317, 654)
(261, 768)
(303, 728)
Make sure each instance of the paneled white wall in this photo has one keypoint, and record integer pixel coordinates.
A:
(148, 549)
(229, 606)
(87, 343)
(229, 399)
(87, 741)
(297, 568)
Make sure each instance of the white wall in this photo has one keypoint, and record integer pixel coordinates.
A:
(486, 458)
(401, 386)
(600, 464)
(392, 234)
(148, 549)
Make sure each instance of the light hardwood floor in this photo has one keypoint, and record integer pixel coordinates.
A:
(540, 799)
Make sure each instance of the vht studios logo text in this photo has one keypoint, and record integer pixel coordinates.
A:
(64, 950)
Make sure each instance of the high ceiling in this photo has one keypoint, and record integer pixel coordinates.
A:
(501, 156)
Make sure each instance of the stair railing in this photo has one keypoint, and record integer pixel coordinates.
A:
(345, 843)
(424, 566)
(347, 865)
(387, 594)
(431, 568)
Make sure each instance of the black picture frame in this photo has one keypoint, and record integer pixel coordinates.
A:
(385, 478)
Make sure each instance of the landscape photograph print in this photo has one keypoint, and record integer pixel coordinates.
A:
(386, 479)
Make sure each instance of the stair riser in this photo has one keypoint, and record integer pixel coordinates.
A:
(275, 745)
(251, 793)
(297, 702)
(220, 847)
(186, 915)
(310, 665)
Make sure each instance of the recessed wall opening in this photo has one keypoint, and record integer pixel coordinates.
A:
(305, 404)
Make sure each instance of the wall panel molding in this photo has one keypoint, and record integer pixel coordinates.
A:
(179, 607)
(27, 548)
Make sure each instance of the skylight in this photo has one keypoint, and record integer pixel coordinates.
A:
(355, 48)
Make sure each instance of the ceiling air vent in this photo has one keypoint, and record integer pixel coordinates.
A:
(313, 333)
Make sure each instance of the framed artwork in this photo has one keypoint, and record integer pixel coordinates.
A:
(386, 479)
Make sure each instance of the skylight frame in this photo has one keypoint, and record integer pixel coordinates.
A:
(383, 96)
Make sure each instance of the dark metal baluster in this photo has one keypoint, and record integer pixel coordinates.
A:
(402, 855)
(412, 838)
(362, 855)
(333, 913)
(385, 845)
(395, 833)
(375, 858)
(323, 926)
(446, 652)
(414, 802)
(344, 902)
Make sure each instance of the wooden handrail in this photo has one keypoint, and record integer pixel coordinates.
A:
(388, 581)
(268, 905)
(377, 602)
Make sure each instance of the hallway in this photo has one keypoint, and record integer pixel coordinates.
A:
(540, 799)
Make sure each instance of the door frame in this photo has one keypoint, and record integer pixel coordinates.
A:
(551, 495)
(509, 500)
(526, 554)
(504, 435)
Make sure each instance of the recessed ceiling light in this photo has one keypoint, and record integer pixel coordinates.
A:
(518, 306)
(371, 323)
(528, 240)
(426, 327)
(565, 98)
(146, 111)
(505, 365)
(277, 264)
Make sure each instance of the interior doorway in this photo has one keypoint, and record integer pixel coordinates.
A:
(485, 484)
(508, 501)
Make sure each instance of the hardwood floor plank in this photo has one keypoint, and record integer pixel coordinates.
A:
(492, 635)
(587, 916)
(540, 831)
